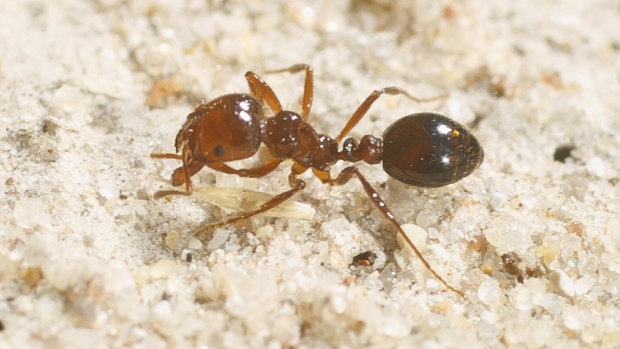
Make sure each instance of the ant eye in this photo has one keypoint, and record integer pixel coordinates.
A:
(218, 151)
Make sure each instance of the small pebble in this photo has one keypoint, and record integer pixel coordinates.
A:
(172, 240)
(162, 268)
(563, 283)
(264, 231)
(489, 293)
(416, 234)
(423, 219)
(186, 255)
(29, 212)
(497, 200)
(596, 166)
(32, 276)
(194, 244)
(573, 318)
(584, 284)
(108, 189)
(219, 238)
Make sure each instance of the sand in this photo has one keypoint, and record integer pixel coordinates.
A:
(89, 259)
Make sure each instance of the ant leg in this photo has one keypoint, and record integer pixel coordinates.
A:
(263, 92)
(296, 185)
(306, 102)
(166, 156)
(186, 170)
(253, 172)
(344, 176)
(178, 176)
(363, 108)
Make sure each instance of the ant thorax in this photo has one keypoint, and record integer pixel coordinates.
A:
(287, 136)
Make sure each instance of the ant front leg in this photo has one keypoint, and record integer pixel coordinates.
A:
(178, 176)
(296, 186)
(344, 176)
(306, 101)
(166, 156)
(363, 108)
(182, 174)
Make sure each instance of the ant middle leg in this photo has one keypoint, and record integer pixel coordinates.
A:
(263, 92)
(344, 176)
(253, 172)
(306, 101)
(296, 186)
(363, 108)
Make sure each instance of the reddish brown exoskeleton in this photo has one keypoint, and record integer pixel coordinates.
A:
(423, 149)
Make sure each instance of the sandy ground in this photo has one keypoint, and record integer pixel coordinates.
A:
(88, 89)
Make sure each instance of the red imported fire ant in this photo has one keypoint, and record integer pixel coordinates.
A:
(423, 149)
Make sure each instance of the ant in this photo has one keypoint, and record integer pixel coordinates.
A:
(422, 149)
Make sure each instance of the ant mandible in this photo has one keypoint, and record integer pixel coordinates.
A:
(423, 149)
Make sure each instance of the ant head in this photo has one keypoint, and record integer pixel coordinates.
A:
(225, 129)
(430, 150)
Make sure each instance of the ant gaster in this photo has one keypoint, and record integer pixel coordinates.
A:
(423, 149)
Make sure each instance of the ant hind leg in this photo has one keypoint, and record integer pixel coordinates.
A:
(344, 176)
(363, 108)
